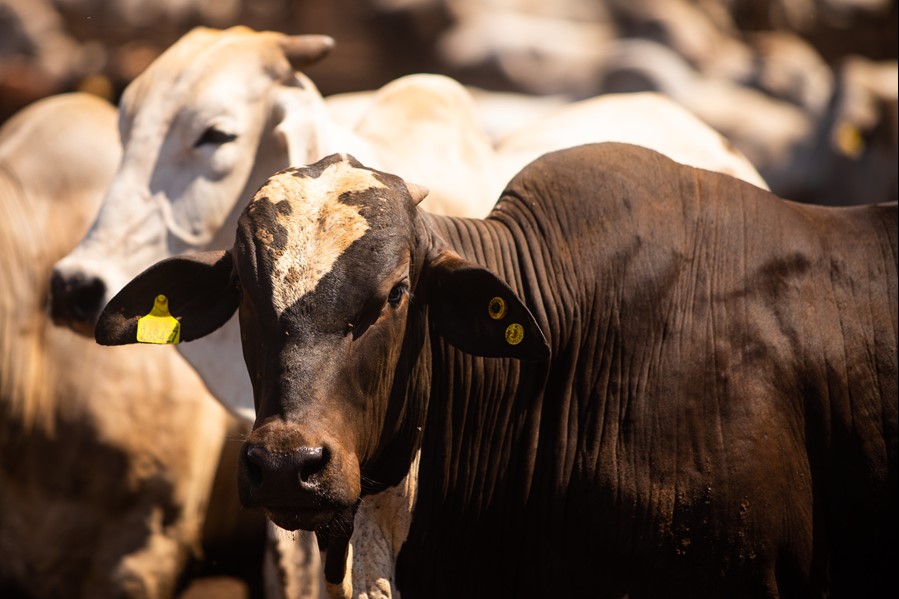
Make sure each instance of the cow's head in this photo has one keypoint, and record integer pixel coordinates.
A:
(339, 280)
(202, 128)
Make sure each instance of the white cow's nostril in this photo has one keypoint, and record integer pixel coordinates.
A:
(76, 300)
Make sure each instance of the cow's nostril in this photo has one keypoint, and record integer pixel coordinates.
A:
(271, 469)
(76, 299)
(87, 295)
(254, 465)
(311, 460)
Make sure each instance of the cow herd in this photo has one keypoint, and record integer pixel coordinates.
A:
(594, 357)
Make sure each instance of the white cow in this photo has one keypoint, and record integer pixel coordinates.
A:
(646, 119)
(219, 112)
(106, 458)
(215, 115)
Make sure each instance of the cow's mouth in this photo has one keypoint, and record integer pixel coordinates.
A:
(296, 518)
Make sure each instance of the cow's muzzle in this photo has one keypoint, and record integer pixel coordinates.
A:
(294, 487)
(76, 301)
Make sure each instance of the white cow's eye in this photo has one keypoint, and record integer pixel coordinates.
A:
(214, 136)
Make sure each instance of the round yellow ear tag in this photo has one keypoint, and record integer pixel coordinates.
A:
(496, 308)
(514, 333)
(159, 326)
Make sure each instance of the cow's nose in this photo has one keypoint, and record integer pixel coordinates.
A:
(280, 474)
(76, 300)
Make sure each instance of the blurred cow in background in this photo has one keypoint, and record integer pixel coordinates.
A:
(783, 63)
(838, 151)
(107, 459)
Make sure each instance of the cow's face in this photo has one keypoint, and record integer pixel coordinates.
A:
(200, 131)
(332, 268)
(324, 256)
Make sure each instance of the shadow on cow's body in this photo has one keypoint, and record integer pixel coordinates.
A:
(668, 382)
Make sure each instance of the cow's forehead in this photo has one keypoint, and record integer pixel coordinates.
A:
(200, 59)
(300, 226)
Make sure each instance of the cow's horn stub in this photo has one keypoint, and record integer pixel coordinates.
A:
(303, 50)
(418, 192)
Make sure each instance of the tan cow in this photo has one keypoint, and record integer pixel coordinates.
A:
(106, 458)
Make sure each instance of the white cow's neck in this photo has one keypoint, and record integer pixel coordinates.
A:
(216, 358)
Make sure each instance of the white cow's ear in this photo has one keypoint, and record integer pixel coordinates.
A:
(303, 50)
(302, 119)
(480, 314)
(195, 293)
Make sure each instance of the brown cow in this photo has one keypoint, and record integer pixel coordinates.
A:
(707, 405)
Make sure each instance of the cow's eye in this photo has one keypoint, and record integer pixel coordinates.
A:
(215, 137)
(396, 294)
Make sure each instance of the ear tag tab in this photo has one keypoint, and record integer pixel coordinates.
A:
(159, 326)
(497, 308)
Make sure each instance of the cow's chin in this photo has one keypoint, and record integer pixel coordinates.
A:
(291, 518)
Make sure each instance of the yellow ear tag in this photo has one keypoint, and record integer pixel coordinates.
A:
(496, 308)
(159, 326)
(514, 333)
(849, 141)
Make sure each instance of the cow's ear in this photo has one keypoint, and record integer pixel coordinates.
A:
(299, 111)
(304, 50)
(478, 313)
(177, 299)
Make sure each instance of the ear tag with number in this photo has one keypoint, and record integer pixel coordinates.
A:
(514, 333)
(159, 326)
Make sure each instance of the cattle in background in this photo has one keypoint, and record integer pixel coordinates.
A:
(498, 113)
(835, 152)
(861, 131)
(106, 459)
(645, 119)
(195, 154)
(633, 377)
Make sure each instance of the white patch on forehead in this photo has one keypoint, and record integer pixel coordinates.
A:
(319, 228)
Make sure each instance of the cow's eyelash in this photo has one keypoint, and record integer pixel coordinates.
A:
(372, 314)
(214, 136)
(396, 294)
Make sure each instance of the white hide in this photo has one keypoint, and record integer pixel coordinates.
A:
(645, 119)
(315, 213)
